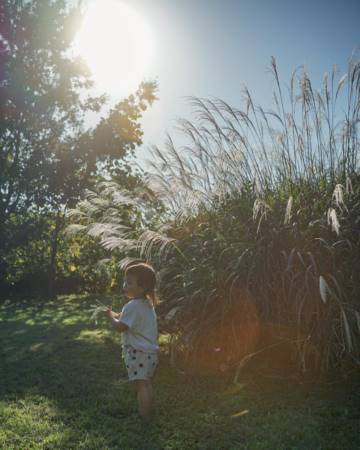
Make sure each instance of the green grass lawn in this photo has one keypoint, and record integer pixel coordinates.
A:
(63, 386)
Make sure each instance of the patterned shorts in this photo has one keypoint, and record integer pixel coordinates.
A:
(140, 365)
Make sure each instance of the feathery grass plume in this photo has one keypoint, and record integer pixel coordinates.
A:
(324, 288)
(349, 188)
(338, 195)
(357, 316)
(95, 310)
(128, 261)
(288, 210)
(152, 239)
(333, 220)
(106, 229)
(260, 207)
(172, 313)
(347, 329)
(75, 228)
(103, 212)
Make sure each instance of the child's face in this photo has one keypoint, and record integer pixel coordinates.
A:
(131, 287)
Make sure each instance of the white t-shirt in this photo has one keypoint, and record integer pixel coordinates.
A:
(140, 316)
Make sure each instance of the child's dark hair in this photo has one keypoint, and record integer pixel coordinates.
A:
(146, 277)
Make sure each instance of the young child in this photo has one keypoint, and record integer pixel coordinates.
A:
(138, 324)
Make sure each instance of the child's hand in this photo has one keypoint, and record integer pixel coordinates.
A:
(110, 313)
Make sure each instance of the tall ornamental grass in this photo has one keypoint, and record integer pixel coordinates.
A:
(259, 248)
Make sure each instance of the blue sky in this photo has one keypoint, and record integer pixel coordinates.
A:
(210, 48)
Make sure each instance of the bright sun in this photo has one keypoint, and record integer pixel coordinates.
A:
(117, 44)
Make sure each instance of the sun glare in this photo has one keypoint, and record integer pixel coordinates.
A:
(117, 44)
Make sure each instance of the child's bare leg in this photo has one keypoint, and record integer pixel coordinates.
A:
(144, 397)
(151, 393)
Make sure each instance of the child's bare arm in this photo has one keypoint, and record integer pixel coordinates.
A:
(115, 320)
(119, 326)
